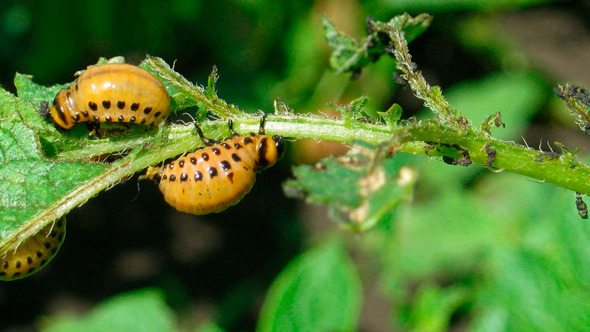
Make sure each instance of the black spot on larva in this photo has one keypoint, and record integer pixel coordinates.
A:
(16, 274)
(193, 160)
(96, 118)
(5, 264)
(108, 118)
(225, 145)
(29, 260)
(120, 104)
(17, 265)
(181, 163)
(198, 176)
(31, 270)
(237, 146)
(134, 106)
(61, 113)
(143, 121)
(92, 105)
(183, 177)
(43, 262)
(121, 118)
(205, 156)
(171, 166)
(157, 114)
(262, 157)
(47, 245)
(248, 140)
(230, 177)
(76, 86)
(235, 157)
(132, 119)
(77, 117)
(106, 104)
(216, 151)
(68, 94)
(164, 177)
(147, 110)
(60, 223)
(39, 254)
(2, 274)
(53, 233)
(225, 165)
(172, 177)
(212, 171)
(85, 113)
(54, 251)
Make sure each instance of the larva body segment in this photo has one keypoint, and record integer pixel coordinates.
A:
(215, 177)
(34, 253)
(110, 93)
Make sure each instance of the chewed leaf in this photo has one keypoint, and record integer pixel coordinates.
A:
(359, 187)
(349, 55)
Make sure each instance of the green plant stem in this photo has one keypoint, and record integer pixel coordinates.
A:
(562, 170)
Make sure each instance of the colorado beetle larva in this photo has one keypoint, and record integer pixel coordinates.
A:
(114, 92)
(215, 177)
(34, 253)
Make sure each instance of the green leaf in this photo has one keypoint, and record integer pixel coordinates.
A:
(433, 307)
(32, 188)
(349, 55)
(318, 291)
(392, 115)
(353, 112)
(33, 92)
(143, 310)
(360, 187)
(208, 327)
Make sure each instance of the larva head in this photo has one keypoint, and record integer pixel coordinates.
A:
(34, 253)
(269, 150)
(58, 112)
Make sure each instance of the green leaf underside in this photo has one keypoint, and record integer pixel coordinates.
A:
(30, 184)
(143, 310)
(318, 291)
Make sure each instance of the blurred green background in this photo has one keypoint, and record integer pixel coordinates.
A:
(475, 249)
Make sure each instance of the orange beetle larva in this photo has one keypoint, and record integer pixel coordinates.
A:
(114, 92)
(34, 253)
(215, 177)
